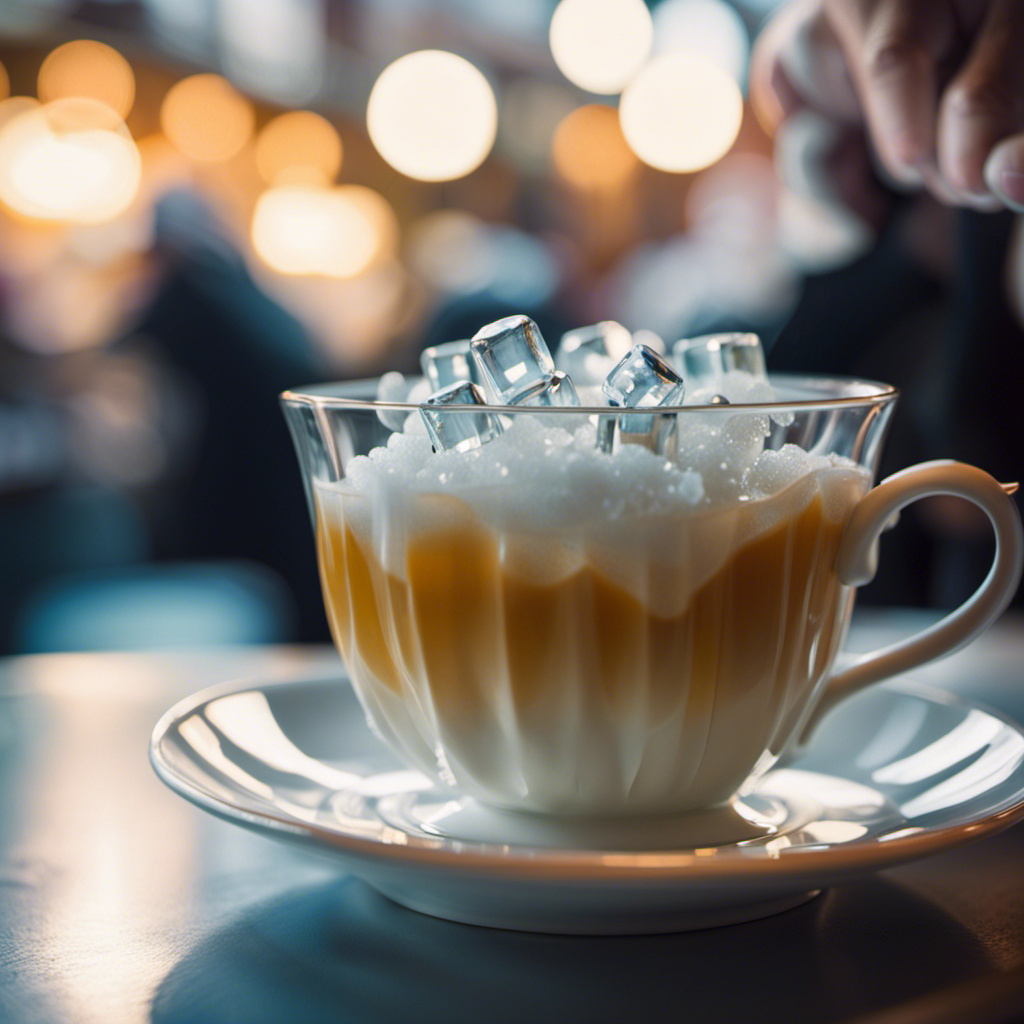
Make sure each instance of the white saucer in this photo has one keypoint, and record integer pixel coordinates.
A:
(896, 773)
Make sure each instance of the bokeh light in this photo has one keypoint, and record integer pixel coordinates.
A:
(299, 146)
(451, 251)
(207, 118)
(459, 254)
(711, 28)
(5, 83)
(589, 150)
(330, 232)
(14, 106)
(88, 68)
(72, 160)
(681, 113)
(432, 115)
(273, 48)
(600, 45)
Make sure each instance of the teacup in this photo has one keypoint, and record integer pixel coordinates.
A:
(551, 628)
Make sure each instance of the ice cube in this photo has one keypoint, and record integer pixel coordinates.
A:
(704, 359)
(556, 389)
(512, 358)
(641, 380)
(392, 387)
(452, 430)
(588, 353)
(650, 339)
(448, 363)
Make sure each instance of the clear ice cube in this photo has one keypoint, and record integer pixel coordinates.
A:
(711, 356)
(647, 337)
(452, 430)
(512, 358)
(556, 389)
(641, 380)
(588, 353)
(448, 363)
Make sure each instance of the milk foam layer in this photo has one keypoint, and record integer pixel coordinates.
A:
(658, 528)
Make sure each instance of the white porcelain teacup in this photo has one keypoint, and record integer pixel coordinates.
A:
(550, 632)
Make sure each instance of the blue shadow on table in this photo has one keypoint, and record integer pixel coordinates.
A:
(193, 604)
(342, 953)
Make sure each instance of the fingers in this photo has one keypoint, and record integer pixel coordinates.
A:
(771, 93)
(1004, 172)
(985, 101)
(894, 48)
(797, 65)
(898, 54)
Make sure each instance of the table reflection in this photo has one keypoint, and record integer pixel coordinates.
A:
(341, 952)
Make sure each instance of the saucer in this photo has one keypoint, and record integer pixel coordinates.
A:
(897, 772)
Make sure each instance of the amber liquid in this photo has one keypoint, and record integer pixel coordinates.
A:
(578, 685)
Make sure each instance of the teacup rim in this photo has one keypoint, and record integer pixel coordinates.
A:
(872, 392)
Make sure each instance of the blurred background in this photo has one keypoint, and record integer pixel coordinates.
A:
(203, 202)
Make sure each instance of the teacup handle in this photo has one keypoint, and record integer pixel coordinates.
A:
(857, 562)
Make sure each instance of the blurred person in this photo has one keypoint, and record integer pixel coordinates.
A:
(908, 115)
(241, 495)
(157, 458)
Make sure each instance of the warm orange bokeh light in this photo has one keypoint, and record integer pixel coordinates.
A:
(329, 232)
(299, 146)
(72, 161)
(15, 106)
(87, 68)
(589, 150)
(207, 118)
(5, 83)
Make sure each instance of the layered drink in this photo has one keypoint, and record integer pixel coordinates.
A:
(554, 626)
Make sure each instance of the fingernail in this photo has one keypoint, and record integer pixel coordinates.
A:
(1012, 186)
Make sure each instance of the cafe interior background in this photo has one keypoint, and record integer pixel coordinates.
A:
(204, 202)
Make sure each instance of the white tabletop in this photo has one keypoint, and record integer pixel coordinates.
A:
(123, 903)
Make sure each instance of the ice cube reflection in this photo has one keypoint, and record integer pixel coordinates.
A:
(706, 358)
(448, 364)
(458, 431)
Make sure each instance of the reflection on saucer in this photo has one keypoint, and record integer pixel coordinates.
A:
(895, 773)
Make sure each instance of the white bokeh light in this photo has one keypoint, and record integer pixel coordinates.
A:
(681, 113)
(600, 45)
(328, 232)
(72, 160)
(432, 115)
(711, 28)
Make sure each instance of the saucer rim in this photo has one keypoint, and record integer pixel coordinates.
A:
(545, 863)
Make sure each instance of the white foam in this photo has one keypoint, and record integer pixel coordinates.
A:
(556, 502)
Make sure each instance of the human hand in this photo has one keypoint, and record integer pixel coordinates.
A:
(938, 84)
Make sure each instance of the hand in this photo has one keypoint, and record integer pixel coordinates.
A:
(939, 85)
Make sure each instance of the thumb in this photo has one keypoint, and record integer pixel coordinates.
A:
(1004, 172)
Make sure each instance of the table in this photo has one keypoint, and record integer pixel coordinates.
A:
(120, 902)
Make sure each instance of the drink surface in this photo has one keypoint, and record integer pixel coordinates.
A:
(621, 652)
